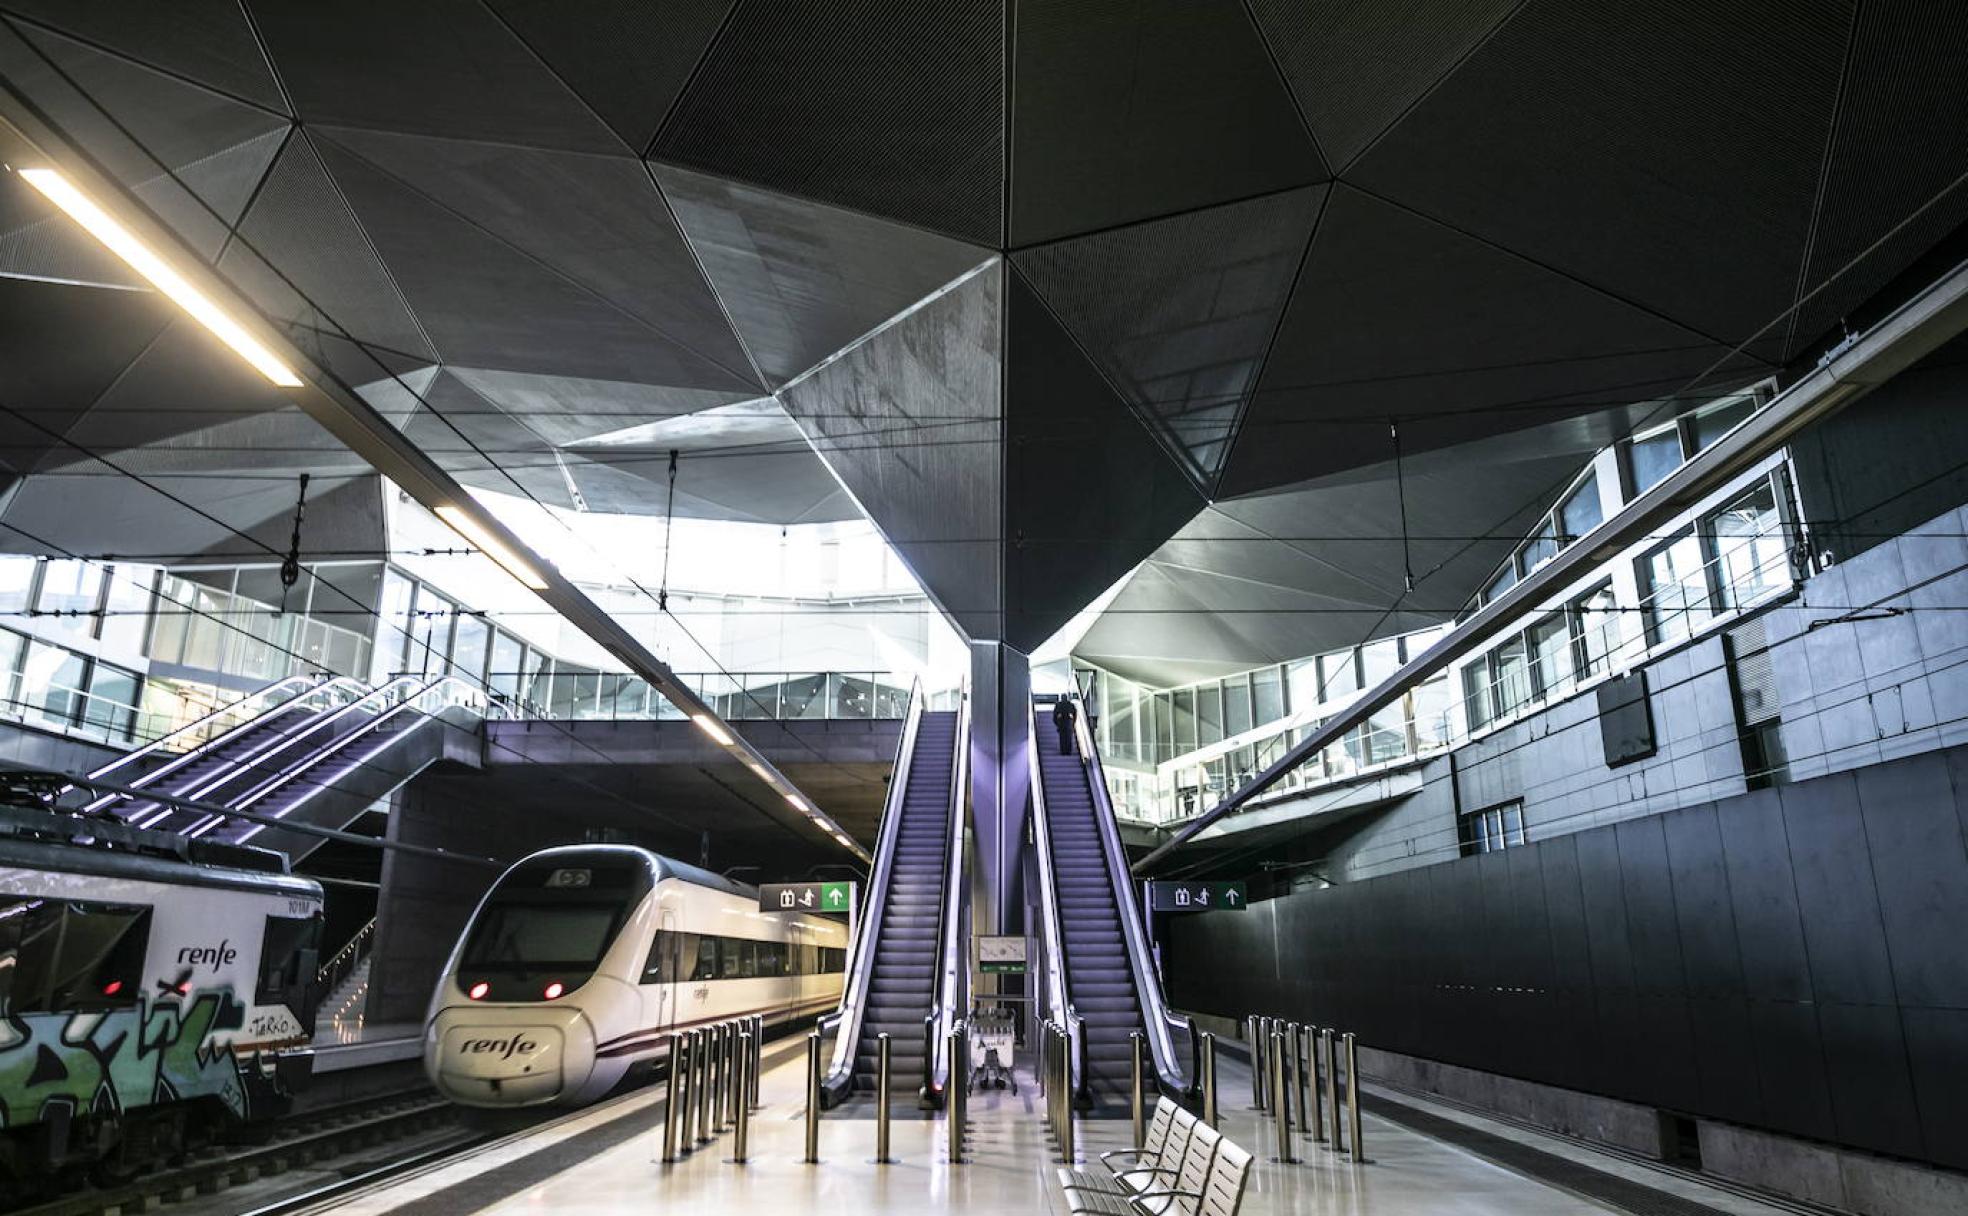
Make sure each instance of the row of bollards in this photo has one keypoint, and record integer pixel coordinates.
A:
(713, 1085)
(1286, 1068)
(954, 1091)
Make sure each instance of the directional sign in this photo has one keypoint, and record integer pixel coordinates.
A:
(1197, 896)
(806, 897)
(998, 955)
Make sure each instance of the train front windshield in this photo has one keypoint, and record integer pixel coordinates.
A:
(541, 936)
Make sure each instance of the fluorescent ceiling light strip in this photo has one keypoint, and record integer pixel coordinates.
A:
(491, 546)
(123, 244)
(709, 726)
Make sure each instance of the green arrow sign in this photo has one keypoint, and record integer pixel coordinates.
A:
(836, 896)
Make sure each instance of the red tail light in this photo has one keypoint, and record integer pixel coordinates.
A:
(554, 990)
(184, 987)
(478, 990)
(112, 987)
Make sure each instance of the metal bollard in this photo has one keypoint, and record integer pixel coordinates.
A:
(1353, 1101)
(1295, 1078)
(956, 1096)
(1261, 1062)
(670, 1104)
(812, 1099)
(1067, 1152)
(1336, 1144)
(1209, 1078)
(1250, 1038)
(1281, 1091)
(701, 1083)
(758, 1058)
(719, 1075)
(1315, 1114)
(881, 1099)
(1284, 1156)
(688, 1091)
(741, 1114)
(741, 1070)
(1137, 1099)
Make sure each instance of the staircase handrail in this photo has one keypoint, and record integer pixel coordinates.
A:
(952, 1000)
(1059, 996)
(325, 693)
(1161, 1024)
(845, 1022)
(298, 685)
(337, 968)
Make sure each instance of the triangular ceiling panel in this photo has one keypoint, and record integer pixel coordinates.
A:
(486, 302)
(1088, 491)
(1398, 317)
(208, 41)
(1179, 312)
(1127, 111)
(436, 67)
(568, 410)
(1356, 65)
(47, 376)
(628, 59)
(306, 262)
(910, 420)
(1665, 151)
(897, 110)
(800, 279)
(1896, 160)
(598, 223)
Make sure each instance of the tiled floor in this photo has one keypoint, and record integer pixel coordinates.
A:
(1010, 1170)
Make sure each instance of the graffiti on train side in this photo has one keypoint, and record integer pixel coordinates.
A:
(110, 1061)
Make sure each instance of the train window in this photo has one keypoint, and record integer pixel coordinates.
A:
(667, 955)
(559, 936)
(772, 959)
(737, 959)
(707, 959)
(288, 952)
(57, 955)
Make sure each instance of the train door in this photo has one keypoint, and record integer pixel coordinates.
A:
(666, 994)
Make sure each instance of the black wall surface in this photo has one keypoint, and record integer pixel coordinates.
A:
(1794, 958)
(1890, 462)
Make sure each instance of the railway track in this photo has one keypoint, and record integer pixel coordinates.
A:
(304, 1141)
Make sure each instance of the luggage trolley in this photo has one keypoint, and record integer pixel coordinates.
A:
(993, 1030)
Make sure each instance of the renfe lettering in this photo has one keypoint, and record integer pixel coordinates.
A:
(505, 1049)
(215, 957)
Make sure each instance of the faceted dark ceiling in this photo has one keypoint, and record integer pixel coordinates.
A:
(1029, 283)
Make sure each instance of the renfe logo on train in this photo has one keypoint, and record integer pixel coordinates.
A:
(222, 955)
(505, 1049)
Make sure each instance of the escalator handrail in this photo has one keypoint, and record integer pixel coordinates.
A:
(298, 772)
(321, 755)
(1159, 1023)
(323, 693)
(845, 1021)
(258, 757)
(1059, 996)
(951, 1000)
(299, 685)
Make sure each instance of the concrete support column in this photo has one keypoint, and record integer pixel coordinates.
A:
(1000, 780)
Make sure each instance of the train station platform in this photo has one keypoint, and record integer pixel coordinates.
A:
(608, 1159)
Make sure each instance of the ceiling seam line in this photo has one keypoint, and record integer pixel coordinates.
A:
(18, 19)
(1432, 87)
(554, 72)
(1284, 82)
(1831, 143)
(1249, 396)
(711, 44)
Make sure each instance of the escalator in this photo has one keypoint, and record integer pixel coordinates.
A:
(905, 974)
(214, 748)
(303, 752)
(1104, 988)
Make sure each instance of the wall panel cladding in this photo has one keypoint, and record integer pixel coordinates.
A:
(1787, 958)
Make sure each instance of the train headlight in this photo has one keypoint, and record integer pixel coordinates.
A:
(477, 991)
(554, 990)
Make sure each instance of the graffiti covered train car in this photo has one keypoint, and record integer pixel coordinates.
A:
(148, 1002)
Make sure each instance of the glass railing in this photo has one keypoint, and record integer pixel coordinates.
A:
(1739, 560)
(746, 696)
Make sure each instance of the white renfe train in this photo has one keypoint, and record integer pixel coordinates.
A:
(147, 1004)
(581, 961)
